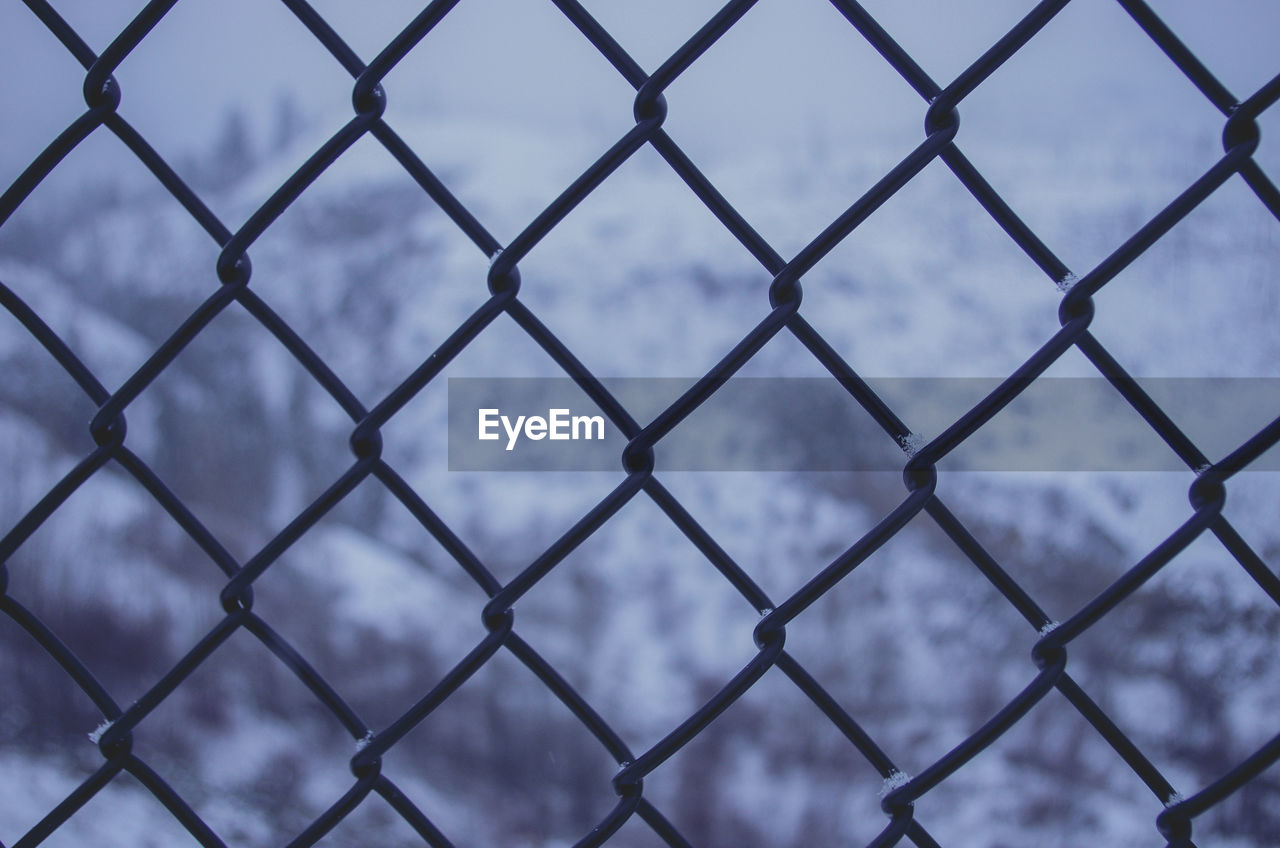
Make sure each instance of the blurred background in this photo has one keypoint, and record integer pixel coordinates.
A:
(1087, 132)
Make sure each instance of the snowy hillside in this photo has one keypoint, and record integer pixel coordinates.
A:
(915, 643)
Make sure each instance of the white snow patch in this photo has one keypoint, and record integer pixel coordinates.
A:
(363, 741)
(912, 443)
(1067, 283)
(96, 735)
(895, 780)
(1049, 627)
(1174, 800)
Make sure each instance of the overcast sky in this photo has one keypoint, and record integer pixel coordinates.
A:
(792, 72)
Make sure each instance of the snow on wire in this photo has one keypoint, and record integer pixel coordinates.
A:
(229, 286)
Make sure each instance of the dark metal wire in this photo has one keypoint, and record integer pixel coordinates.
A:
(233, 273)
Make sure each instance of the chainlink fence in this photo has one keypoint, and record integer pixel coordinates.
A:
(782, 312)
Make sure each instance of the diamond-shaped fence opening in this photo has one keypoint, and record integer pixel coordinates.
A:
(232, 539)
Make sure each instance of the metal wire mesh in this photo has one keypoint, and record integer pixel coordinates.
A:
(783, 312)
